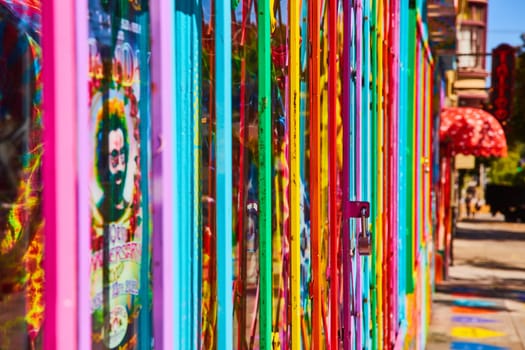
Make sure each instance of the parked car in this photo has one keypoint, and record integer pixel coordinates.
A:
(506, 199)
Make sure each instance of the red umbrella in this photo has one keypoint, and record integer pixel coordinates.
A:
(471, 131)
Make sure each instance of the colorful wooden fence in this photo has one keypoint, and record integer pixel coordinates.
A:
(207, 175)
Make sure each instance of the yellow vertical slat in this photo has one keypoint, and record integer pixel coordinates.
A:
(380, 227)
(295, 183)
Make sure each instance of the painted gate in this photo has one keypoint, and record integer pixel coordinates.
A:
(248, 174)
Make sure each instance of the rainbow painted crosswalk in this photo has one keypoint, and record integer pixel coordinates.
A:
(476, 323)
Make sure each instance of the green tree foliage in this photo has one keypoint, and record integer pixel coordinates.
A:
(509, 170)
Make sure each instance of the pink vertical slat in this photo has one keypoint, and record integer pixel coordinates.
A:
(59, 174)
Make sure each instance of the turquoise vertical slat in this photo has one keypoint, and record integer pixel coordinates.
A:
(144, 334)
(402, 154)
(223, 103)
(366, 173)
(186, 197)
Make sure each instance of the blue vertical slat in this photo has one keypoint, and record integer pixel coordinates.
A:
(223, 104)
(186, 193)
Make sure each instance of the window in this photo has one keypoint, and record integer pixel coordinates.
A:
(471, 47)
(477, 12)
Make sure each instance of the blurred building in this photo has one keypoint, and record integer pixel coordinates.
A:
(442, 25)
(467, 84)
(442, 18)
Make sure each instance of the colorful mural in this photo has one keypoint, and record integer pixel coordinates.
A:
(21, 149)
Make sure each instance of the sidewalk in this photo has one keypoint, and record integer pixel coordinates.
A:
(482, 304)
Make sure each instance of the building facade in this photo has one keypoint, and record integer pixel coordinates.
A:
(470, 78)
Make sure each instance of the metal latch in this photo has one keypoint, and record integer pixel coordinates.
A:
(361, 210)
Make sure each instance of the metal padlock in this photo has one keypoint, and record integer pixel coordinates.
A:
(364, 245)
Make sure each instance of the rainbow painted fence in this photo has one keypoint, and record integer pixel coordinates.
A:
(248, 174)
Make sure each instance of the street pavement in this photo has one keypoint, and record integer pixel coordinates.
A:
(481, 306)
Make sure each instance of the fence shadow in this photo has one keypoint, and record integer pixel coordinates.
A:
(492, 264)
(505, 288)
(489, 234)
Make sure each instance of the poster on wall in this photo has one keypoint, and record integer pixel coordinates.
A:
(119, 236)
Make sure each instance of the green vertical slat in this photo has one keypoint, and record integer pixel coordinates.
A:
(371, 84)
(410, 103)
(265, 174)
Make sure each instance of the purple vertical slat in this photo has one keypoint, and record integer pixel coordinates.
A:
(162, 77)
(359, 87)
(347, 260)
(84, 154)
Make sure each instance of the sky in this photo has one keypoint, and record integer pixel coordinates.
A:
(506, 22)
